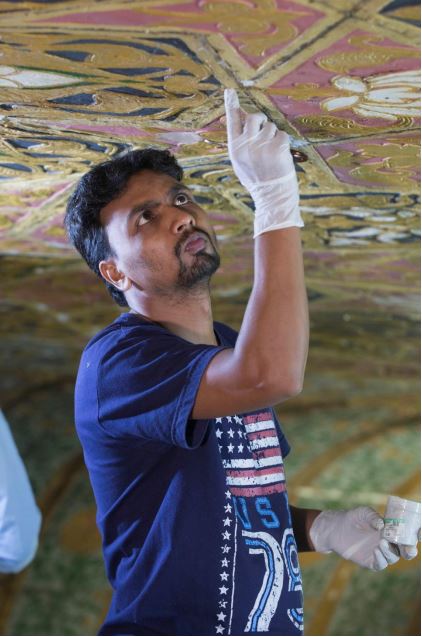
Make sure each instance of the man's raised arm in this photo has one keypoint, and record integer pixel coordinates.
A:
(267, 364)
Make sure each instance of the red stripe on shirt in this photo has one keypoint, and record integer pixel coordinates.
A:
(250, 492)
(266, 453)
(265, 433)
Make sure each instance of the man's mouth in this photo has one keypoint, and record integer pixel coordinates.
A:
(195, 243)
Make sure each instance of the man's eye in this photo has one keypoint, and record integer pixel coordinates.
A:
(146, 215)
(183, 195)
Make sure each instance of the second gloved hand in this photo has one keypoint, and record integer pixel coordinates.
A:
(355, 535)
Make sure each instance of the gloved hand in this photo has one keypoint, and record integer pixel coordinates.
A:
(355, 534)
(261, 158)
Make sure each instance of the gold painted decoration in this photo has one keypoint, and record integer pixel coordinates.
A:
(325, 125)
(370, 51)
(397, 168)
(131, 77)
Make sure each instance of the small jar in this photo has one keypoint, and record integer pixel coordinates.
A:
(402, 521)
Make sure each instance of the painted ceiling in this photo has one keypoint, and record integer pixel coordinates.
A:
(81, 81)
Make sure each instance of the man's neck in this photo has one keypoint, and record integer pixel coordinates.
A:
(190, 318)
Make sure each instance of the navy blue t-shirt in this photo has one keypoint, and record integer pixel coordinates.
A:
(193, 514)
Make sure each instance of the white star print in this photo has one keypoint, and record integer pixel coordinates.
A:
(227, 521)
(225, 548)
(219, 420)
(218, 433)
(224, 576)
(230, 448)
(229, 418)
(231, 432)
(238, 420)
(219, 448)
(226, 535)
(225, 562)
(219, 629)
(223, 590)
(221, 617)
(228, 494)
(228, 508)
(222, 603)
(239, 433)
(240, 448)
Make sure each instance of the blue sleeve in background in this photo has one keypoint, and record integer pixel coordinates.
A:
(20, 518)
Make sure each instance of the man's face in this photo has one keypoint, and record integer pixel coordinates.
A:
(148, 226)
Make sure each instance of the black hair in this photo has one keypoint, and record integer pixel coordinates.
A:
(99, 187)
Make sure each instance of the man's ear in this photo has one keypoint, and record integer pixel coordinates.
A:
(110, 272)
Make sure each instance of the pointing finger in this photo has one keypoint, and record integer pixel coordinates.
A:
(233, 114)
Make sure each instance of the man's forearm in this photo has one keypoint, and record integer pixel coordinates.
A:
(274, 334)
(302, 520)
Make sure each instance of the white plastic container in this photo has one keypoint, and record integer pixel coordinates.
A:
(402, 521)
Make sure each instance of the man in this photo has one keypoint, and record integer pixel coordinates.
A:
(174, 410)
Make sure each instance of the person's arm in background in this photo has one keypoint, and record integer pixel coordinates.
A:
(20, 518)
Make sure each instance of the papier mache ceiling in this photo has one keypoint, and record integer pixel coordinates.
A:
(82, 81)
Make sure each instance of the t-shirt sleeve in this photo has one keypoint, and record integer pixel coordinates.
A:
(229, 334)
(146, 388)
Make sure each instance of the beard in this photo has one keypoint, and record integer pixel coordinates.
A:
(200, 272)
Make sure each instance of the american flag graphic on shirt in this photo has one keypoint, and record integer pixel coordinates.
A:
(251, 455)
(252, 459)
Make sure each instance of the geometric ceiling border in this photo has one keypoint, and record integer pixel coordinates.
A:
(406, 35)
(246, 73)
(273, 30)
(400, 15)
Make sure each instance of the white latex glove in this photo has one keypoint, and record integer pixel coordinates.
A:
(408, 552)
(261, 158)
(355, 535)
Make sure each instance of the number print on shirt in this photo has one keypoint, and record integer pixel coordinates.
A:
(267, 599)
(295, 581)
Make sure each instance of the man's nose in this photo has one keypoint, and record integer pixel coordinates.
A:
(181, 220)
